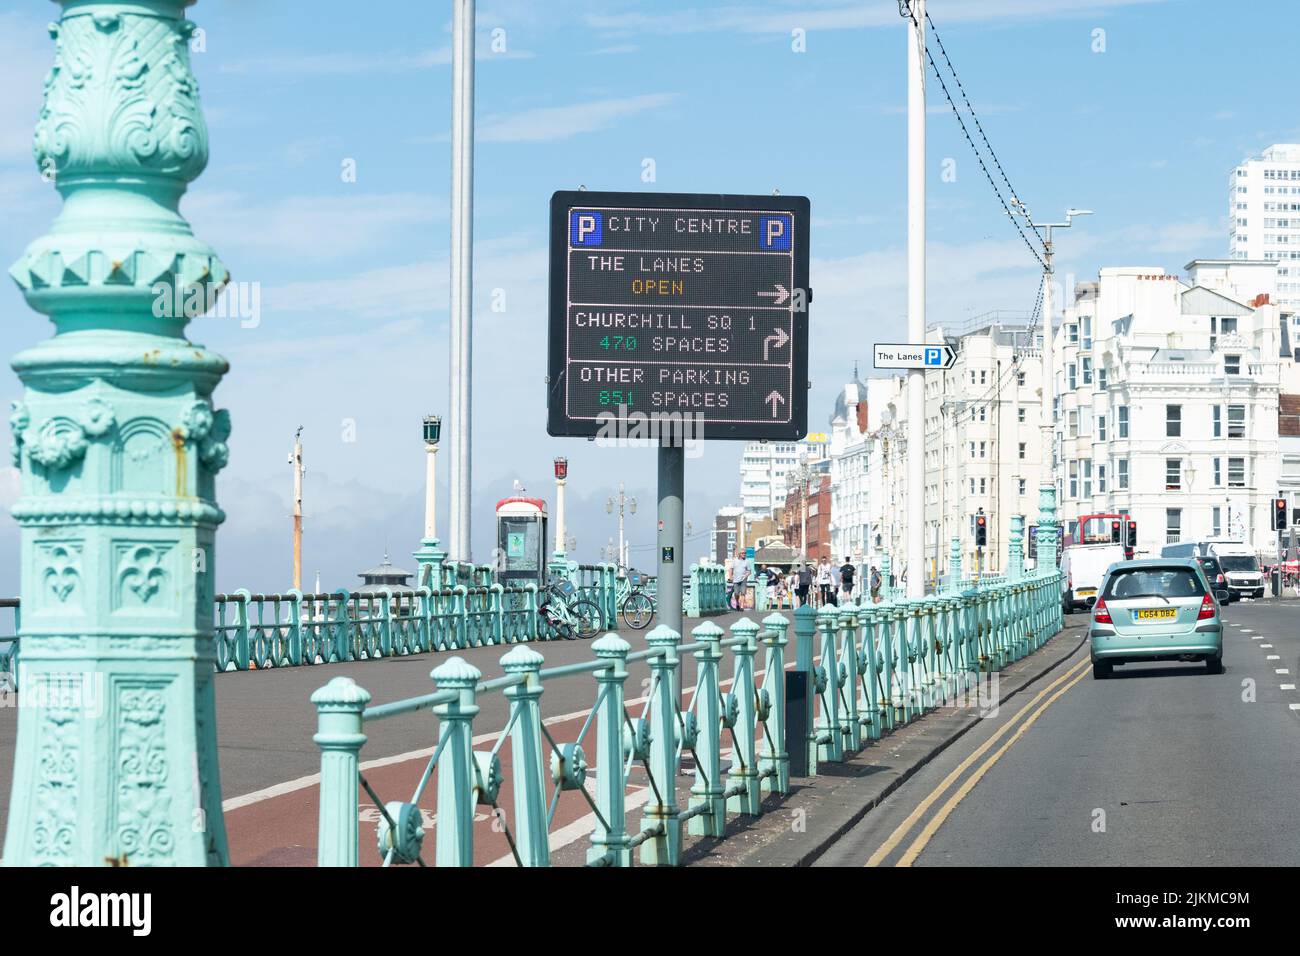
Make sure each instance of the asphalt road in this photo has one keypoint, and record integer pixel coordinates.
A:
(1161, 765)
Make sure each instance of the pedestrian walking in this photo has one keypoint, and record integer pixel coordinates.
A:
(847, 573)
(874, 582)
(805, 579)
(825, 582)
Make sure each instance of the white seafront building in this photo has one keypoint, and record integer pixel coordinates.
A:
(1168, 401)
(1264, 223)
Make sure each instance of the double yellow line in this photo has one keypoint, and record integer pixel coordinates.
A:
(1064, 682)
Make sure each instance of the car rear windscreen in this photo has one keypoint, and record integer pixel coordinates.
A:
(1173, 582)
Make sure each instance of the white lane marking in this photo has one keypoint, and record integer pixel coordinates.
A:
(1294, 706)
(1266, 645)
(1247, 630)
(1288, 686)
(312, 780)
(1281, 670)
(1258, 637)
(1272, 657)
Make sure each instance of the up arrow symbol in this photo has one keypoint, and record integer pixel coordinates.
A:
(774, 398)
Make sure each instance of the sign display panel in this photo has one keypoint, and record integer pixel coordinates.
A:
(679, 304)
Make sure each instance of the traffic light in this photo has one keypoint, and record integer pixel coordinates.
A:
(1279, 514)
(1114, 532)
(981, 531)
(1132, 534)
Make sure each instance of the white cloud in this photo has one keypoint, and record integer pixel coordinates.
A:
(315, 228)
(560, 122)
(315, 65)
(841, 16)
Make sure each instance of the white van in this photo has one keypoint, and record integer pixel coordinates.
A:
(1083, 567)
(1240, 565)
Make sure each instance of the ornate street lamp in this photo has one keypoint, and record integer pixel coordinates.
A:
(561, 479)
(429, 554)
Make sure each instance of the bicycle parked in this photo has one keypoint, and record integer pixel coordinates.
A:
(569, 615)
(637, 607)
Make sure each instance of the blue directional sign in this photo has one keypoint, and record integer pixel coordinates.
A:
(694, 306)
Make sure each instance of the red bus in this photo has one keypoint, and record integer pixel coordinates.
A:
(1100, 529)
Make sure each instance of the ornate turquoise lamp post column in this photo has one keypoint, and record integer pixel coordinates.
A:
(118, 447)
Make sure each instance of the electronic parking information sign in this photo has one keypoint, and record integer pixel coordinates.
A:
(676, 303)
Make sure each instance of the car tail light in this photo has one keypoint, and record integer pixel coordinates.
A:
(1207, 608)
(1099, 613)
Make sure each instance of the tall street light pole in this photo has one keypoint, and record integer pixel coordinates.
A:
(462, 270)
(916, 297)
(1048, 524)
(623, 501)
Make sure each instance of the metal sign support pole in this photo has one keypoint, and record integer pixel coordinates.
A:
(672, 480)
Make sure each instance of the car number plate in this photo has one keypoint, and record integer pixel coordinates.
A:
(1086, 592)
(1157, 614)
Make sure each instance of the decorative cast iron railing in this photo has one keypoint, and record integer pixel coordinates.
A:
(877, 667)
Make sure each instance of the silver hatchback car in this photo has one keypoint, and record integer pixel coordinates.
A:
(1155, 610)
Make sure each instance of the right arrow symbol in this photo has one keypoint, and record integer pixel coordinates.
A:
(774, 398)
(779, 296)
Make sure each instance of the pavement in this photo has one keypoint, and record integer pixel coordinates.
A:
(269, 765)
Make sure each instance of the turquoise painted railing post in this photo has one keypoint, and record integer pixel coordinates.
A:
(117, 446)
(660, 813)
(456, 766)
(774, 764)
(954, 566)
(339, 735)
(742, 777)
(610, 840)
(528, 768)
(886, 589)
(708, 788)
(805, 626)
(870, 654)
(829, 732)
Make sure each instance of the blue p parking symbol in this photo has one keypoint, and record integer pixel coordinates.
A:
(933, 357)
(585, 227)
(774, 232)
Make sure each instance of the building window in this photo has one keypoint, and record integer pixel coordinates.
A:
(1216, 524)
(1072, 376)
(1121, 414)
(1236, 473)
(1020, 415)
(1101, 479)
(1218, 421)
(1022, 451)
(983, 445)
(1101, 428)
(1232, 365)
(1101, 378)
(1020, 378)
(1218, 472)
(1087, 370)
(1074, 479)
(1173, 525)
(1236, 421)
(1173, 474)
(1121, 473)
(1020, 485)
(1087, 478)
(1085, 328)
(1173, 421)
(1072, 422)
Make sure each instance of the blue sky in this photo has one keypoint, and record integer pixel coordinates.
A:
(353, 275)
